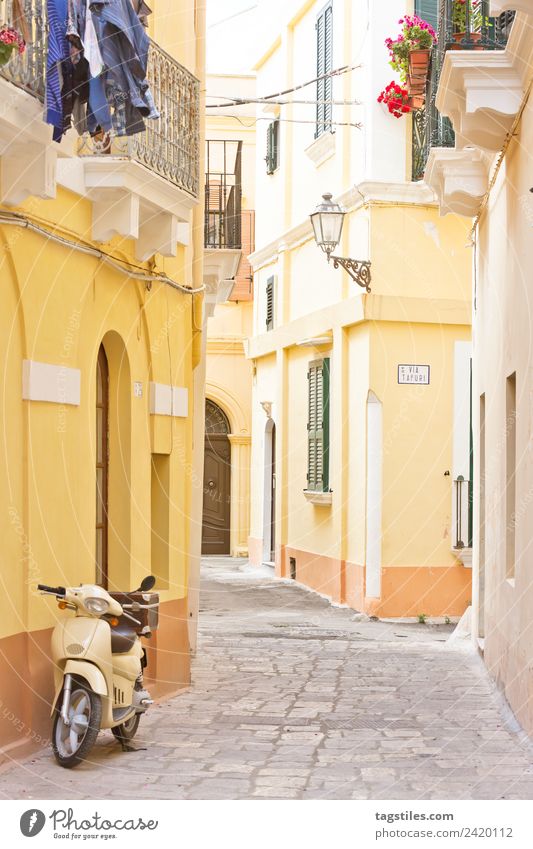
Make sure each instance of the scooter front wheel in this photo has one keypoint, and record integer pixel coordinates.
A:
(72, 743)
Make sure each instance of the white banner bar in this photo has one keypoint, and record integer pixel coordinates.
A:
(269, 824)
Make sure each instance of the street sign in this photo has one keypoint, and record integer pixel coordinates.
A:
(413, 374)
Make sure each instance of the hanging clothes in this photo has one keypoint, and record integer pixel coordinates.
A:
(82, 34)
(58, 52)
(124, 48)
(142, 10)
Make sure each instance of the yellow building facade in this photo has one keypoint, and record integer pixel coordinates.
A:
(360, 407)
(100, 334)
(485, 177)
(229, 239)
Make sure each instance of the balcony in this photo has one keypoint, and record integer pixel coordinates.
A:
(481, 32)
(147, 183)
(226, 227)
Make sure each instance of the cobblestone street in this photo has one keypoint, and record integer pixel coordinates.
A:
(293, 698)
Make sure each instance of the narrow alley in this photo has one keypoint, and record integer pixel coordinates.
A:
(293, 698)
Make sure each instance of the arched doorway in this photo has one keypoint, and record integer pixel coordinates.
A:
(102, 468)
(217, 482)
(269, 502)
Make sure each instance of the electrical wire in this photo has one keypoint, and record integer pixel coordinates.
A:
(125, 267)
(253, 121)
(242, 101)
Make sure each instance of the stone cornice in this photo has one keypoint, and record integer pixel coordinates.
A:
(356, 310)
(355, 198)
(225, 345)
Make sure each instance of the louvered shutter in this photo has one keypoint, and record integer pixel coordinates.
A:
(318, 427)
(272, 157)
(428, 10)
(324, 64)
(243, 288)
(270, 304)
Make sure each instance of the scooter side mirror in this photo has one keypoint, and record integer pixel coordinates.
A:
(147, 584)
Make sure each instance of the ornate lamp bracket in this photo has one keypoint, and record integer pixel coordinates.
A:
(359, 270)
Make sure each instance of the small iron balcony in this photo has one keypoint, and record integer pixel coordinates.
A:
(475, 30)
(170, 146)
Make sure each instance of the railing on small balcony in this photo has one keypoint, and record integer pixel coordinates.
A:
(223, 193)
(463, 494)
(244, 279)
(170, 146)
(480, 32)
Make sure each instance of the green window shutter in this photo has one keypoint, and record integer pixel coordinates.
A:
(428, 10)
(270, 304)
(324, 64)
(318, 426)
(272, 157)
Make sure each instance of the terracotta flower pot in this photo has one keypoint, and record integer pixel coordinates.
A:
(418, 72)
(474, 39)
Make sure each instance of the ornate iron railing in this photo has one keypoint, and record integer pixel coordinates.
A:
(481, 32)
(223, 194)
(170, 146)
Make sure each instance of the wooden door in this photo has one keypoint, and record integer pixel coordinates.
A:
(102, 467)
(217, 482)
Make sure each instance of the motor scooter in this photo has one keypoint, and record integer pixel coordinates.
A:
(98, 666)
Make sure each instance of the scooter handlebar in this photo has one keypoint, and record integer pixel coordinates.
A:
(52, 590)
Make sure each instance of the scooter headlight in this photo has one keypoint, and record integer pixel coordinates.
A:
(96, 605)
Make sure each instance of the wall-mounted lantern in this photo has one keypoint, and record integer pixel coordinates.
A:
(327, 221)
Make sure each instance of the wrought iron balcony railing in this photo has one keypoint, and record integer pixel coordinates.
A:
(223, 193)
(474, 31)
(170, 146)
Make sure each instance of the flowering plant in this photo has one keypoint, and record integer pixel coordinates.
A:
(416, 34)
(396, 99)
(477, 19)
(10, 40)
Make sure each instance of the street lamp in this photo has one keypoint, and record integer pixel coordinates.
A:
(327, 221)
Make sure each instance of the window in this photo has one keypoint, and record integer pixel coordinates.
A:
(428, 10)
(270, 304)
(318, 426)
(510, 474)
(272, 157)
(324, 64)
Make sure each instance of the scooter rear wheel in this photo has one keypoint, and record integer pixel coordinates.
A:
(72, 743)
(127, 731)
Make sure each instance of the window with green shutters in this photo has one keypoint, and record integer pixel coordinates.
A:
(270, 304)
(324, 64)
(272, 157)
(428, 10)
(318, 426)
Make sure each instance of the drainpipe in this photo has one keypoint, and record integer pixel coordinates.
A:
(198, 353)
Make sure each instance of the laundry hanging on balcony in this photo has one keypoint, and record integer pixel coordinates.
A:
(96, 68)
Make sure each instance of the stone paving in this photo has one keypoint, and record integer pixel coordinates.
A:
(293, 699)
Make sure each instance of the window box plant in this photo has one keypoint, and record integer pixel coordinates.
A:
(396, 98)
(410, 53)
(10, 40)
(468, 38)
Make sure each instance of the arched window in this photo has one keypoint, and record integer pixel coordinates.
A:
(216, 420)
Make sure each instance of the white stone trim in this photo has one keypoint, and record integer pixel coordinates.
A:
(322, 499)
(480, 92)
(321, 149)
(459, 178)
(499, 6)
(168, 400)
(180, 402)
(52, 383)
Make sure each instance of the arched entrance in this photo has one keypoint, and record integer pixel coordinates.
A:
(217, 482)
(269, 501)
(102, 468)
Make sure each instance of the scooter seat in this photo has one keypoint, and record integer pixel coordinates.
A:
(122, 639)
